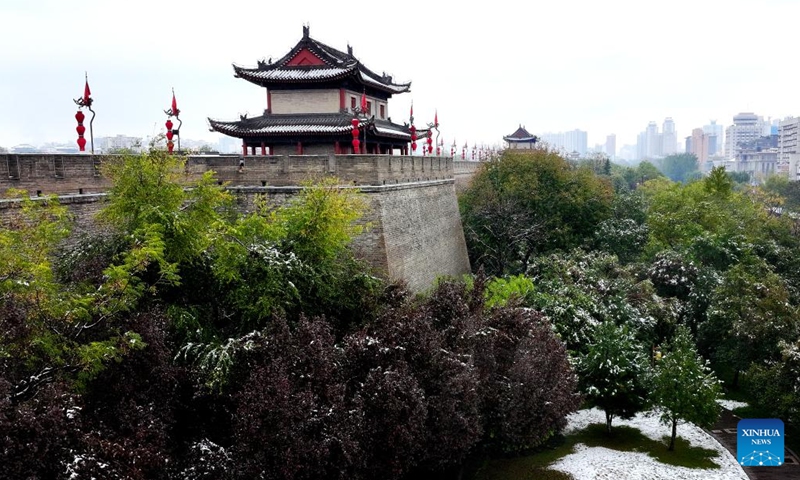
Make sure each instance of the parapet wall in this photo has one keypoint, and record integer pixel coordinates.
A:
(415, 236)
(463, 171)
(74, 174)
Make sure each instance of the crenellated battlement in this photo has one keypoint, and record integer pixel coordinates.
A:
(47, 174)
(415, 232)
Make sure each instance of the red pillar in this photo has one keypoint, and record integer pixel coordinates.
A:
(341, 99)
(244, 149)
(299, 148)
(263, 149)
(336, 149)
(253, 150)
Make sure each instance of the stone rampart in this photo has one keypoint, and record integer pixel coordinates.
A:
(415, 229)
(74, 174)
(463, 171)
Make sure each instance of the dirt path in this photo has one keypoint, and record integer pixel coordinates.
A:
(725, 432)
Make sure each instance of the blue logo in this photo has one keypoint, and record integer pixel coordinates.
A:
(760, 442)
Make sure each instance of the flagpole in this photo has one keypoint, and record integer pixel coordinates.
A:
(91, 130)
(89, 105)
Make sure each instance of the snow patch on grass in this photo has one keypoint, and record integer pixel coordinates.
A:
(731, 404)
(606, 464)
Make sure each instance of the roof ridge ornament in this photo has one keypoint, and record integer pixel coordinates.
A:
(306, 28)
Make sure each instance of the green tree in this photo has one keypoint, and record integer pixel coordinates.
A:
(680, 167)
(739, 177)
(679, 214)
(750, 312)
(684, 388)
(167, 221)
(530, 202)
(718, 182)
(50, 331)
(625, 234)
(614, 374)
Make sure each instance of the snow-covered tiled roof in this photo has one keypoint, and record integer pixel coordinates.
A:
(335, 65)
(296, 74)
(315, 124)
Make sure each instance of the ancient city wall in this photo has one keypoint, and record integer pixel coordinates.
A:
(463, 171)
(415, 230)
(72, 174)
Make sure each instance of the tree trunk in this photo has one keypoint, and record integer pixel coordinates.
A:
(736, 378)
(674, 433)
(609, 417)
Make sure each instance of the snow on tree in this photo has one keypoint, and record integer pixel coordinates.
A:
(614, 373)
(684, 388)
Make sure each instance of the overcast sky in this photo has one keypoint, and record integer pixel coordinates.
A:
(601, 66)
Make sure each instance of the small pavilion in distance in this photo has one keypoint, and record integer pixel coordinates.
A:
(313, 93)
(521, 139)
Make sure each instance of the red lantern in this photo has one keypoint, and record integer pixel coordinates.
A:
(356, 143)
(80, 117)
(170, 135)
(430, 142)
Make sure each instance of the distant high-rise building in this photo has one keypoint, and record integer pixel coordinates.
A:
(669, 138)
(746, 127)
(789, 147)
(715, 130)
(650, 143)
(554, 140)
(576, 141)
(700, 145)
(611, 145)
(641, 146)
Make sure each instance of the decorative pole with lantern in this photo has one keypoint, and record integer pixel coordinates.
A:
(363, 119)
(453, 149)
(354, 122)
(431, 127)
(85, 101)
(173, 112)
(413, 131)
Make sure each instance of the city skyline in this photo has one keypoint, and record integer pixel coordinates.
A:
(484, 70)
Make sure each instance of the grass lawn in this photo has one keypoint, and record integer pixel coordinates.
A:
(622, 438)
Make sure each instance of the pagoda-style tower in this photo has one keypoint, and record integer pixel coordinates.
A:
(313, 94)
(521, 139)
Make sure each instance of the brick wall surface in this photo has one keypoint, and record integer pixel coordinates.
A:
(72, 174)
(414, 230)
(414, 233)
